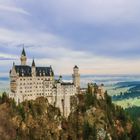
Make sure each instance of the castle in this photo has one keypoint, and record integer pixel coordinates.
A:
(29, 82)
(97, 90)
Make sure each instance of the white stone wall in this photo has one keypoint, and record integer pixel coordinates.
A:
(29, 88)
(63, 94)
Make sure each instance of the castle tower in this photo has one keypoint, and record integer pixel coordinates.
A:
(33, 68)
(23, 57)
(13, 78)
(76, 76)
(13, 72)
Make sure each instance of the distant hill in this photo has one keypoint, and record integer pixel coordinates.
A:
(133, 92)
(127, 84)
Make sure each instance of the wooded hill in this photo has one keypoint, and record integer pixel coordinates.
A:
(90, 119)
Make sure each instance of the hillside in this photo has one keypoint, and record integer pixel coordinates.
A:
(90, 119)
(130, 97)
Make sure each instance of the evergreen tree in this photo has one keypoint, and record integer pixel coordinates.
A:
(135, 134)
(86, 131)
(4, 98)
(21, 111)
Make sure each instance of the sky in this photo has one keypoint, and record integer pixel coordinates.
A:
(100, 36)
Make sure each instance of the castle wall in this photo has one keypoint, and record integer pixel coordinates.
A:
(63, 94)
(29, 88)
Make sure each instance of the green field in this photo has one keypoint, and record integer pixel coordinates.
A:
(116, 91)
(128, 102)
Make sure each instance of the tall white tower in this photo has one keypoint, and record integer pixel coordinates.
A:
(76, 76)
(23, 57)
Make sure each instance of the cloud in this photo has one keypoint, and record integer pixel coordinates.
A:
(101, 37)
(7, 57)
(33, 38)
(13, 9)
(93, 11)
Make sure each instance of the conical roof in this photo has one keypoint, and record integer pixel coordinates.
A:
(23, 52)
(75, 67)
(33, 63)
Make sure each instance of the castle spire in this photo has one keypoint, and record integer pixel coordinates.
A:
(33, 68)
(13, 70)
(33, 63)
(13, 64)
(23, 52)
(23, 57)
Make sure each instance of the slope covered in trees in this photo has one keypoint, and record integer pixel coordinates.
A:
(90, 119)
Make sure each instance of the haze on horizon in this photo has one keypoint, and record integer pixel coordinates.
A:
(101, 37)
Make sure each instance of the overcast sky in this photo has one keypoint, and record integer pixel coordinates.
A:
(100, 36)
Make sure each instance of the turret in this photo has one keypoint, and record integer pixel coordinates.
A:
(76, 76)
(23, 57)
(33, 68)
(13, 73)
(13, 78)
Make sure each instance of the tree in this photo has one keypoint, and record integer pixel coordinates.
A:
(21, 111)
(86, 131)
(94, 132)
(4, 98)
(89, 132)
(108, 99)
(89, 100)
(135, 134)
